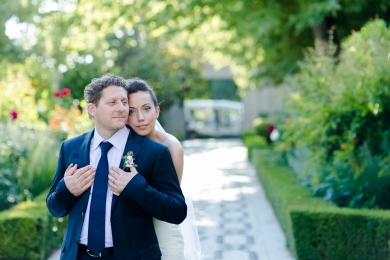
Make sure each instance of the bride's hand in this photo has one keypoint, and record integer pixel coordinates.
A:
(70, 170)
(118, 179)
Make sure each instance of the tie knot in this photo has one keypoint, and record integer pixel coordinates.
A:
(105, 146)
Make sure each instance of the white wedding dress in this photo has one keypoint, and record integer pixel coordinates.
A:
(178, 242)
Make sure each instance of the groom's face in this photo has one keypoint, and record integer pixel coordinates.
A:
(112, 110)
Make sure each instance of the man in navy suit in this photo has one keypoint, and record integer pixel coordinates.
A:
(131, 198)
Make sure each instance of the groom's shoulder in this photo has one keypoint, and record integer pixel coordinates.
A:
(77, 140)
(153, 144)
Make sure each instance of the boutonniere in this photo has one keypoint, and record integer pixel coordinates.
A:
(128, 160)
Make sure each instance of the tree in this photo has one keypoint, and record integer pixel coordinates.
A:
(268, 37)
(80, 40)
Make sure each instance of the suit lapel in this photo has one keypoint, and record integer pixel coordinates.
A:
(133, 143)
(84, 151)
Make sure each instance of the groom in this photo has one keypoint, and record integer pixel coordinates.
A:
(110, 211)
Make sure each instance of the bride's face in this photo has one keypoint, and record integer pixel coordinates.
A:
(142, 113)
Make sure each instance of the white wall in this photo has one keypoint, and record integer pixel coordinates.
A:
(174, 120)
(265, 101)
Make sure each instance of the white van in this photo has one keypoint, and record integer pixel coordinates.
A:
(215, 118)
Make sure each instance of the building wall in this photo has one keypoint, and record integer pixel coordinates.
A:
(173, 120)
(267, 101)
(256, 102)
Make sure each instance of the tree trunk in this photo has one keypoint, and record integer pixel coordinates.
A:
(320, 32)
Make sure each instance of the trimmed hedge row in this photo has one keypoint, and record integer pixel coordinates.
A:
(252, 141)
(28, 231)
(316, 229)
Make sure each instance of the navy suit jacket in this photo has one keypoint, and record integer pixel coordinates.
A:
(153, 192)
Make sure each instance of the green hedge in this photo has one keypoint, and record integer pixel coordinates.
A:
(316, 229)
(252, 140)
(28, 231)
(341, 234)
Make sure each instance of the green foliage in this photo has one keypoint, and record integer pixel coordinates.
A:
(173, 70)
(253, 141)
(27, 247)
(338, 234)
(267, 36)
(21, 11)
(77, 43)
(25, 92)
(263, 127)
(339, 111)
(245, 134)
(17, 94)
(28, 231)
(27, 162)
(316, 229)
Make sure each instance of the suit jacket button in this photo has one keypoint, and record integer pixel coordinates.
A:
(82, 214)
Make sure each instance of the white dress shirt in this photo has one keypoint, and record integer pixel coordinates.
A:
(114, 156)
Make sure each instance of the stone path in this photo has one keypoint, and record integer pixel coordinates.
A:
(234, 218)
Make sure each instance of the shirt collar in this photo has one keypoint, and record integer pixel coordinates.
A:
(118, 140)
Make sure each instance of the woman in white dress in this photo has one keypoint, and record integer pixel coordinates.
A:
(177, 242)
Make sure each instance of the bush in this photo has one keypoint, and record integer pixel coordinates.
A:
(253, 141)
(28, 231)
(316, 229)
(18, 95)
(341, 234)
(245, 134)
(28, 161)
(339, 110)
(263, 127)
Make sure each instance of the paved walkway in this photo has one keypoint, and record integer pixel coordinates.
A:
(234, 218)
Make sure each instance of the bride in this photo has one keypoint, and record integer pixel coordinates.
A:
(177, 242)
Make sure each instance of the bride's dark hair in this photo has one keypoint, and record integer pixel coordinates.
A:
(137, 84)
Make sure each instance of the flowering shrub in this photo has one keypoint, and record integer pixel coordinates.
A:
(17, 99)
(67, 122)
(62, 93)
(28, 160)
(339, 110)
(68, 117)
(264, 127)
(30, 131)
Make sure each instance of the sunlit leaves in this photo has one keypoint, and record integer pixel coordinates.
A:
(341, 108)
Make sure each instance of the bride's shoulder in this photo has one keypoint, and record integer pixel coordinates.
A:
(171, 142)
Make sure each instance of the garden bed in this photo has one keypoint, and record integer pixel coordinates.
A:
(316, 229)
(28, 231)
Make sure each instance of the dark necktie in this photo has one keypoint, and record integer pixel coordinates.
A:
(97, 211)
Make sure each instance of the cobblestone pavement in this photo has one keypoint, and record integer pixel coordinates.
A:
(234, 218)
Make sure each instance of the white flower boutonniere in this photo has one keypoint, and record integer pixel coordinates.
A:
(128, 160)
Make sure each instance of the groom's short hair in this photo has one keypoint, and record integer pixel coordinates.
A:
(93, 91)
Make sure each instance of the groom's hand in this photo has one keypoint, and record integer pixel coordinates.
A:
(118, 179)
(79, 180)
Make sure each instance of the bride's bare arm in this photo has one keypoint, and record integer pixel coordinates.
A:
(176, 150)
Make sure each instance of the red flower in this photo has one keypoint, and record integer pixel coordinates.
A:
(271, 128)
(66, 92)
(57, 93)
(288, 121)
(14, 114)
